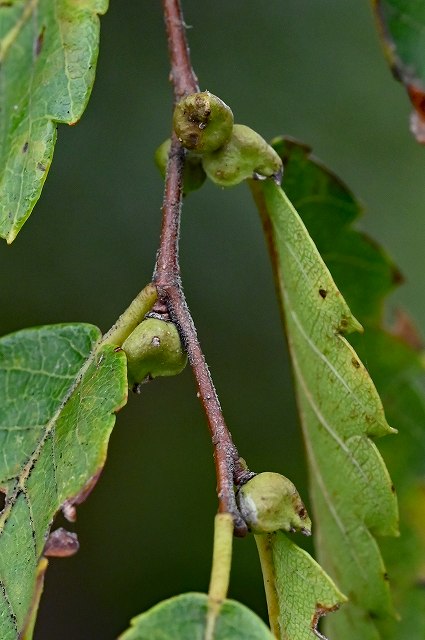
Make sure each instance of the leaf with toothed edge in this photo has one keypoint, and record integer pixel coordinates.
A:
(59, 390)
(401, 24)
(340, 413)
(48, 54)
(298, 590)
(184, 617)
(394, 359)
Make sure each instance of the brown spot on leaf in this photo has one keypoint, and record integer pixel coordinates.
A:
(25, 147)
(39, 41)
(417, 97)
(61, 544)
(355, 363)
(396, 276)
(2, 499)
(393, 488)
(323, 293)
(41, 167)
(321, 610)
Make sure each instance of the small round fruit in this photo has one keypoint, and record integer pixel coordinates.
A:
(153, 349)
(245, 155)
(270, 502)
(202, 122)
(194, 175)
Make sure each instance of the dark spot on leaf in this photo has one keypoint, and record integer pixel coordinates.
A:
(393, 488)
(2, 499)
(39, 41)
(25, 147)
(117, 349)
(355, 363)
(372, 615)
(302, 512)
(417, 97)
(41, 166)
(386, 576)
(396, 276)
(323, 293)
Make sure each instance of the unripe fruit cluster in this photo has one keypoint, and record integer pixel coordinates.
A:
(227, 153)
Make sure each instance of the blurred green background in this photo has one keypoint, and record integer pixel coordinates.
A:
(314, 70)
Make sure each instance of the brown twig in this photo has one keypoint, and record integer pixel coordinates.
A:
(230, 469)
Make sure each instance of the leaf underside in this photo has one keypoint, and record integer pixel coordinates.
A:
(340, 413)
(303, 591)
(59, 395)
(48, 54)
(401, 24)
(366, 275)
(184, 617)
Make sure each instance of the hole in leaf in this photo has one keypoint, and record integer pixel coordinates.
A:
(2, 499)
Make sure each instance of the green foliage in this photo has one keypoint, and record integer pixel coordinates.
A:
(340, 413)
(185, 616)
(298, 590)
(60, 390)
(366, 275)
(48, 53)
(402, 27)
(61, 386)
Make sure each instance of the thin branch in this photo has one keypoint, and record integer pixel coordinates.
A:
(230, 469)
(182, 75)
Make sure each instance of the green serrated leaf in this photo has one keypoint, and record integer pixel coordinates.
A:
(340, 412)
(48, 54)
(395, 362)
(298, 590)
(402, 27)
(184, 617)
(59, 392)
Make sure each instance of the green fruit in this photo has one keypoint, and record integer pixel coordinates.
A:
(193, 173)
(245, 155)
(153, 349)
(202, 122)
(270, 502)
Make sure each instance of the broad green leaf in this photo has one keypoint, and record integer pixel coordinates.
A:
(48, 54)
(340, 414)
(402, 27)
(298, 590)
(59, 392)
(366, 275)
(183, 618)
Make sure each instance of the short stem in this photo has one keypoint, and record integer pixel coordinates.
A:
(131, 317)
(220, 571)
(264, 547)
